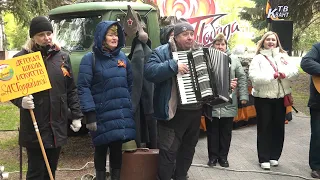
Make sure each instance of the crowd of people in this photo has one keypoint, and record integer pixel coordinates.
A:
(105, 90)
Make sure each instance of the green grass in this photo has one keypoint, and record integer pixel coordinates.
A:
(300, 101)
(9, 118)
(9, 143)
(12, 164)
(10, 154)
(300, 70)
(300, 92)
(9, 148)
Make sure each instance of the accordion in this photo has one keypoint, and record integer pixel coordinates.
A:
(208, 80)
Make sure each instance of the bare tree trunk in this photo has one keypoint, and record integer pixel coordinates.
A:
(301, 53)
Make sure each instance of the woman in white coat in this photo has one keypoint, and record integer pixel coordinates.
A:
(271, 74)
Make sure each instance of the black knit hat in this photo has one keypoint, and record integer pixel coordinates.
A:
(181, 27)
(39, 24)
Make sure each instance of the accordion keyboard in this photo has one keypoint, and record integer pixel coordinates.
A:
(187, 94)
(208, 80)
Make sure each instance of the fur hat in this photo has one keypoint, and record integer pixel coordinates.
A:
(39, 24)
(131, 23)
(133, 26)
(182, 27)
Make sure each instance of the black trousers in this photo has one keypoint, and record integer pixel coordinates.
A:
(100, 156)
(219, 133)
(271, 115)
(314, 152)
(177, 140)
(37, 169)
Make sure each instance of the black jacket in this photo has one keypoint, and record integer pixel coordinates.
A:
(51, 106)
(310, 63)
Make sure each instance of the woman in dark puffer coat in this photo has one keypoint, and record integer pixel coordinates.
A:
(105, 83)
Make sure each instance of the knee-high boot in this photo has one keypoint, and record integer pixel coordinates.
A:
(100, 175)
(115, 174)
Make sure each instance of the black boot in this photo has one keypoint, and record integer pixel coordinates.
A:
(100, 175)
(115, 174)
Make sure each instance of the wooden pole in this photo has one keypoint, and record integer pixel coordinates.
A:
(41, 144)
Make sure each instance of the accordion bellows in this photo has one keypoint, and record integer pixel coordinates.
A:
(208, 80)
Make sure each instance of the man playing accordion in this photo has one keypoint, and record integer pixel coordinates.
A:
(178, 125)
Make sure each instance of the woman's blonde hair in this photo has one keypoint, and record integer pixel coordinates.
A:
(261, 41)
(28, 45)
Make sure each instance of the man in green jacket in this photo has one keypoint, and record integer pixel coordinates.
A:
(219, 127)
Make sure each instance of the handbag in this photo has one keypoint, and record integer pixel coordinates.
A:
(287, 99)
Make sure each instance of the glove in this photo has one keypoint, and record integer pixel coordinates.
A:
(92, 126)
(76, 125)
(282, 75)
(276, 75)
(27, 102)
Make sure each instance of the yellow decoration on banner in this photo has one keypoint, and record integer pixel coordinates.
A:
(23, 75)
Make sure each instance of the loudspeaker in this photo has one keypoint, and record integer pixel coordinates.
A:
(284, 29)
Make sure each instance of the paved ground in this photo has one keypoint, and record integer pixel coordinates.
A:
(243, 155)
